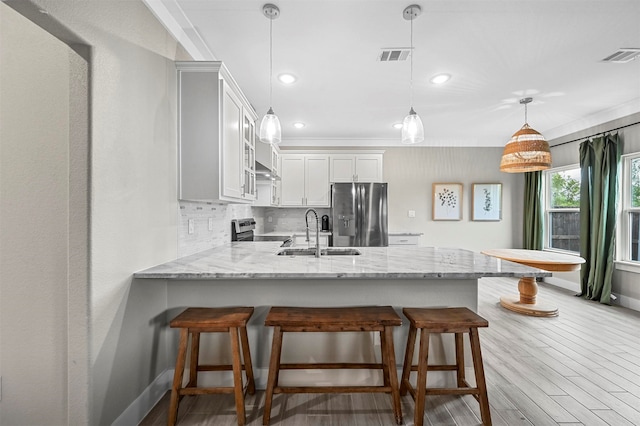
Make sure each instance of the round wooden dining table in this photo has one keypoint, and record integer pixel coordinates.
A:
(526, 302)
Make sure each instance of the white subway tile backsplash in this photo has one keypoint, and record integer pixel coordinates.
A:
(200, 213)
(282, 219)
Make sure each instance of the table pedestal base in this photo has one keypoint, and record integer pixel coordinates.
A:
(525, 302)
(514, 304)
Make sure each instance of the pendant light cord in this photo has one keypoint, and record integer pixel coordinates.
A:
(270, 61)
(525, 114)
(411, 66)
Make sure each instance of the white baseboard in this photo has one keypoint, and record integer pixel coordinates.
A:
(624, 301)
(566, 284)
(139, 408)
(628, 302)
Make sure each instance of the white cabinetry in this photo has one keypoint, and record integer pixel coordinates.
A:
(267, 193)
(249, 160)
(305, 180)
(216, 135)
(356, 167)
(404, 239)
(268, 189)
(268, 155)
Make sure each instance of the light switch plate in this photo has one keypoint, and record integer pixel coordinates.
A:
(210, 224)
(412, 213)
(192, 226)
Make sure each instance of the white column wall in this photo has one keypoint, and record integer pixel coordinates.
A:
(133, 208)
(34, 210)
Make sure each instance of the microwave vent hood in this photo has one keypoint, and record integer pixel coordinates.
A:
(264, 173)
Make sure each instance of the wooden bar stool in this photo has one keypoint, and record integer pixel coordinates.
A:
(447, 320)
(363, 318)
(194, 321)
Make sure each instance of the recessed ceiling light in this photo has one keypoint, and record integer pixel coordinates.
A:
(287, 78)
(440, 78)
(397, 126)
(298, 125)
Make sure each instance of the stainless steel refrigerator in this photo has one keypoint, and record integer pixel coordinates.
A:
(359, 215)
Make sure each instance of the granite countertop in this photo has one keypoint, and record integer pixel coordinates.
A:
(258, 260)
(287, 234)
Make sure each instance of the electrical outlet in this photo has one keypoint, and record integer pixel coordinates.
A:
(192, 226)
(412, 213)
(210, 224)
(269, 219)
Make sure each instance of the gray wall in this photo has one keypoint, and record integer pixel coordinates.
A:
(411, 172)
(34, 226)
(91, 370)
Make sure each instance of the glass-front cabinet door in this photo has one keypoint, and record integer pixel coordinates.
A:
(249, 164)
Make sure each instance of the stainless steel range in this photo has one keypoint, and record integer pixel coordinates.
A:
(242, 229)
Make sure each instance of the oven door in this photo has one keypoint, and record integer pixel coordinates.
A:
(244, 236)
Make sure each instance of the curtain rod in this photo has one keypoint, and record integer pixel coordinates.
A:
(596, 134)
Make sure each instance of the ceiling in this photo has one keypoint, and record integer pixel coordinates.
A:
(497, 52)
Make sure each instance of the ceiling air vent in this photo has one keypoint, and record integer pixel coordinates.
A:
(394, 54)
(623, 55)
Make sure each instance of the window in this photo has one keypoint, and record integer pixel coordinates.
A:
(562, 209)
(630, 228)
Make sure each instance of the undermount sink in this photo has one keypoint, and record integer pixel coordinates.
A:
(331, 251)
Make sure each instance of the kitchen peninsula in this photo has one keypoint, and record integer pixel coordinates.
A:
(251, 274)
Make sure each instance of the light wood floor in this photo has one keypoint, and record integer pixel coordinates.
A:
(580, 368)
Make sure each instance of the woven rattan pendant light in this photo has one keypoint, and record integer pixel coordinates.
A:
(527, 150)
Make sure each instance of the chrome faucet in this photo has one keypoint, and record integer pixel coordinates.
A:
(306, 221)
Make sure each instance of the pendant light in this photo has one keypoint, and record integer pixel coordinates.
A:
(527, 150)
(270, 130)
(412, 128)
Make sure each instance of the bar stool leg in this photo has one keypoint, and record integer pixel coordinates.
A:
(476, 352)
(274, 371)
(237, 375)
(392, 373)
(246, 356)
(408, 359)
(177, 377)
(194, 357)
(460, 373)
(383, 355)
(421, 384)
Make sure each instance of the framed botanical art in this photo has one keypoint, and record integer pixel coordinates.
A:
(486, 199)
(447, 201)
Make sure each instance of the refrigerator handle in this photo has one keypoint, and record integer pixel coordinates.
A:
(359, 215)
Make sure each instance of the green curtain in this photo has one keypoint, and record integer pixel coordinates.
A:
(533, 211)
(599, 164)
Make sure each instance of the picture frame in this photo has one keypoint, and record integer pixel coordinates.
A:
(447, 201)
(486, 201)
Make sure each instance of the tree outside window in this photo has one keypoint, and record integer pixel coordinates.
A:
(635, 183)
(634, 213)
(563, 204)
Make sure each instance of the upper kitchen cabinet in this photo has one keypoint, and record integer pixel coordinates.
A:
(216, 135)
(356, 167)
(267, 157)
(267, 175)
(305, 180)
(249, 148)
